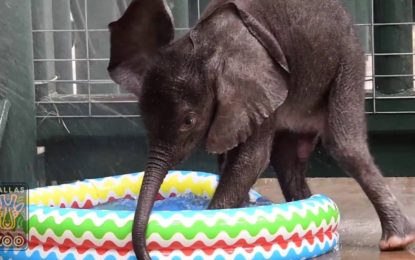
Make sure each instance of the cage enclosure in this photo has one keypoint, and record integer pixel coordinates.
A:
(90, 127)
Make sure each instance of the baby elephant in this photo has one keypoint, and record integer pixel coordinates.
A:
(255, 82)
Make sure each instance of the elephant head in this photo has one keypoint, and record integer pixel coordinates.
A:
(200, 88)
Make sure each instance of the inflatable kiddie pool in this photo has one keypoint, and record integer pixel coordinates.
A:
(62, 227)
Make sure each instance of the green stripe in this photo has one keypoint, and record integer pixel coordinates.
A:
(88, 225)
(197, 227)
(242, 225)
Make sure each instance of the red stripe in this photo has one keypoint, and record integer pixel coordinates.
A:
(283, 243)
(188, 250)
(81, 248)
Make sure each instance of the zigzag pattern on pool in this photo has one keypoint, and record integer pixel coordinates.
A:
(293, 230)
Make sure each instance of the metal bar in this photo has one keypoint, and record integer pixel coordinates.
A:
(85, 102)
(43, 46)
(94, 81)
(104, 81)
(4, 112)
(62, 42)
(91, 30)
(107, 59)
(384, 24)
(138, 116)
(69, 30)
(394, 24)
(77, 59)
(395, 112)
(396, 97)
(93, 101)
(372, 21)
(198, 9)
(393, 39)
(393, 75)
(87, 56)
(91, 116)
(395, 53)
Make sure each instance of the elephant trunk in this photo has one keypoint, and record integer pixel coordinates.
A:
(157, 166)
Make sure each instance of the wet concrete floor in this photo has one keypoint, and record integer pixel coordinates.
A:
(359, 226)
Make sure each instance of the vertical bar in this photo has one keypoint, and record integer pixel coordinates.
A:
(198, 9)
(43, 47)
(63, 43)
(203, 4)
(393, 39)
(18, 151)
(78, 14)
(87, 57)
(362, 13)
(181, 13)
(181, 16)
(4, 112)
(372, 29)
(100, 14)
(193, 10)
(122, 6)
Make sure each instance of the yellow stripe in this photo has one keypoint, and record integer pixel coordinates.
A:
(100, 191)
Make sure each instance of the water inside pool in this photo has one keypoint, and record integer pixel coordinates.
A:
(182, 202)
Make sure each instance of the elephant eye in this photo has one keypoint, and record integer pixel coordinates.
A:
(189, 122)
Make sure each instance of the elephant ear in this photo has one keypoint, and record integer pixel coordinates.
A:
(252, 16)
(247, 93)
(144, 28)
(250, 85)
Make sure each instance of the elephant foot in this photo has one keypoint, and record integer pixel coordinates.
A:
(394, 240)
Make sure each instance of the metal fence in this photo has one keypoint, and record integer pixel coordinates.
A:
(387, 33)
(71, 48)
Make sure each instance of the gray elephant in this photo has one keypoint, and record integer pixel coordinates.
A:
(255, 82)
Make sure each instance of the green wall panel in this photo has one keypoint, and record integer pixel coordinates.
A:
(17, 154)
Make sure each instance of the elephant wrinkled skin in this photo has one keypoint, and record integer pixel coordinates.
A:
(256, 82)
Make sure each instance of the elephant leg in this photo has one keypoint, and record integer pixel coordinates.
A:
(221, 162)
(242, 167)
(289, 159)
(221, 167)
(345, 139)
